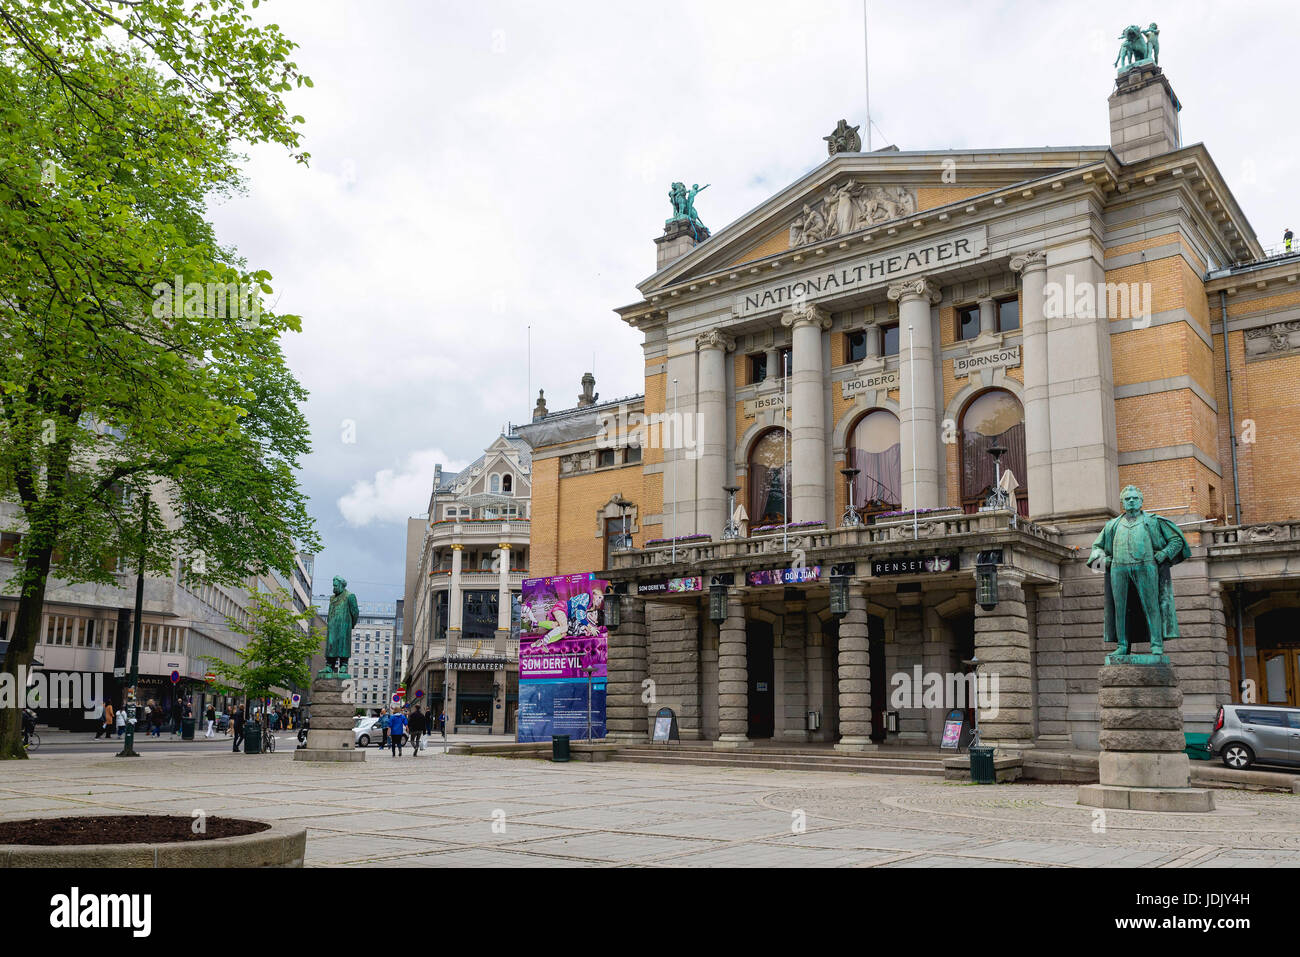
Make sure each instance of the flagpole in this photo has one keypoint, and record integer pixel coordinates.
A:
(785, 465)
(676, 467)
(866, 66)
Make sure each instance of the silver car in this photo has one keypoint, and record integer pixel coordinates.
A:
(1246, 734)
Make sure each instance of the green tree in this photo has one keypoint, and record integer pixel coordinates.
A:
(277, 654)
(128, 378)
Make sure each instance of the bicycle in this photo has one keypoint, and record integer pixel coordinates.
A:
(32, 741)
(268, 741)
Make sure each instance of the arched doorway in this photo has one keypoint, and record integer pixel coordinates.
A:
(994, 417)
(768, 476)
(876, 452)
(761, 668)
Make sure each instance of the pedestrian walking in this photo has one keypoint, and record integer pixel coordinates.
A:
(397, 732)
(385, 722)
(106, 721)
(120, 721)
(211, 717)
(442, 725)
(237, 725)
(418, 725)
(177, 711)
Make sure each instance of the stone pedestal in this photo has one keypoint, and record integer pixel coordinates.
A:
(1142, 766)
(330, 736)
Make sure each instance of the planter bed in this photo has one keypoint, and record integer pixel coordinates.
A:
(140, 840)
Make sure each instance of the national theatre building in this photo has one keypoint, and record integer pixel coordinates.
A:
(890, 410)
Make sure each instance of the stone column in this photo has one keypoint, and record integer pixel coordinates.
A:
(733, 676)
(774, 363)
(711, 505)
(855, 678)
(1002, 644)
(808, 452)
(875, 340)
(499, 702)
(454, 601)
(916, 372)
(1033, 360)
(988, 316)
(503, 602)
(793, 700)
(625, 712)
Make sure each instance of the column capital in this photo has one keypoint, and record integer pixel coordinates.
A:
(504, 546)
(806, 313)
(715, 339)
(1029, 261)
(456, 547)
(914, 288)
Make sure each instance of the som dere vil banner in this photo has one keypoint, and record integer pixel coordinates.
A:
(563, 652)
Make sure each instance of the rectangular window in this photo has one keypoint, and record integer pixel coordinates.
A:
(890, 334)
(757, 367)
(604, 457)
(632, 454)
(855, 346)
(968, 322)
(9, 544)
(1008, 315)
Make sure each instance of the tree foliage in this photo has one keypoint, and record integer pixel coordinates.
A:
(126, 372)
(277, 654)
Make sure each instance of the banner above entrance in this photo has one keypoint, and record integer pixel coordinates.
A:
(864, 272)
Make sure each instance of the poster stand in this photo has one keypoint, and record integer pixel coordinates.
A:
(665, 728)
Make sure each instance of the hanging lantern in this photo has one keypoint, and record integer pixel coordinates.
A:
(613, 612)
(839, 596)
(986, 581)
(718, 603)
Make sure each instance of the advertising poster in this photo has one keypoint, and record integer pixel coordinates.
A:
(562, 636)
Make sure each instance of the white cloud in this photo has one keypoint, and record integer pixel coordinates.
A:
(394, 495)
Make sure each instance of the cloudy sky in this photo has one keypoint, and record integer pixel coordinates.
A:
(482, 168)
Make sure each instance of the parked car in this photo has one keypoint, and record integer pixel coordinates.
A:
(1247, 734)
(366, 730)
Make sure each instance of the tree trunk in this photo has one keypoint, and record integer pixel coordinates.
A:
(22, 646)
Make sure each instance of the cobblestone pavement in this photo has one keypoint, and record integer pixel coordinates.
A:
(438, 810)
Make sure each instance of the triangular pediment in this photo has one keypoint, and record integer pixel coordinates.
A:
(854, 193)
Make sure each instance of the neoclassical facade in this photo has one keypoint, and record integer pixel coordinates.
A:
(466, 561)
(869, 353)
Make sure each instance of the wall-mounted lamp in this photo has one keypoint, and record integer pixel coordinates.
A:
(986, 579)
(718, 603)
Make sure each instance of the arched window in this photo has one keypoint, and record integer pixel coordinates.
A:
(875, 452)
(495, 484)
(507, 484)
(769, 476)
(994, 417)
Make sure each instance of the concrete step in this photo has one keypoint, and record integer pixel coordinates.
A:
(781, 761)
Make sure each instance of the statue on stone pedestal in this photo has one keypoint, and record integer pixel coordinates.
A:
(1137, 550)
(343, 615)
(1139, 46)
(683, 202)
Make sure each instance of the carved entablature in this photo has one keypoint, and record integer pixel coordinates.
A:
(848, 207)
(576, 462)
(1273, 341)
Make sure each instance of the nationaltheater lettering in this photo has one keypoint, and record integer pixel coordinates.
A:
(880, 268)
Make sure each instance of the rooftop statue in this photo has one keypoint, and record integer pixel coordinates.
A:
(683, 201)
(1135, 551)
(843, 139)
(1139, 46)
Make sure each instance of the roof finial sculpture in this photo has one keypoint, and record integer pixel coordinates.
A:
(1139, 47)
(843, 139)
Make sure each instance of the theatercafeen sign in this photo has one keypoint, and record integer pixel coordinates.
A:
(865, 272)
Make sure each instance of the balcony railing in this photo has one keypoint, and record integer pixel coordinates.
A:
(1267, 533)
(894, 531)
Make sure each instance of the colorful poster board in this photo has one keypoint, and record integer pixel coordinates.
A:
(562, 636)
(953, 727)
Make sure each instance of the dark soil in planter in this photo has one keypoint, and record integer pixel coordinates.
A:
(121, 829)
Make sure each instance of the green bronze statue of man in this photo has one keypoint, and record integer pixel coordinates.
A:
(1136, 550)
(343, 617)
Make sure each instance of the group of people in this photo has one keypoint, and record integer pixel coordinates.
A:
(152, 716)
(398, 725)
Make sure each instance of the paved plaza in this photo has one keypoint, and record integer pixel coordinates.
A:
(440, 810)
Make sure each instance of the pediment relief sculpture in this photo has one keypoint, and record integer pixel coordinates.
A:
(848, 207)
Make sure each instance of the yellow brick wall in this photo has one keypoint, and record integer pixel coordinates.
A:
(774, 243)
(1152, 242)
(543, 544)
(1267, 394)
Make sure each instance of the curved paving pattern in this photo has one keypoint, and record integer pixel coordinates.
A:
(438, 810)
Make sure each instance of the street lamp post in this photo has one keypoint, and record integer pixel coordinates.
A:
(128, 743)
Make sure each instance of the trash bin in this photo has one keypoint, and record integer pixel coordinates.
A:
(981, 765)
(1197, 746)
(814, 721)
(560, 747)
(252, 737)
(187, 729)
